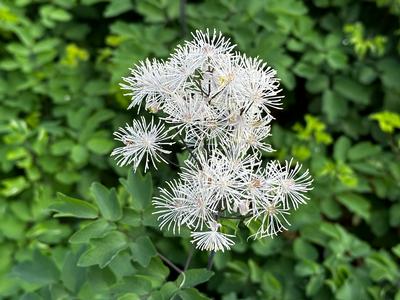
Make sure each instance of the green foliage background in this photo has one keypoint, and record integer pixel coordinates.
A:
(60, 64)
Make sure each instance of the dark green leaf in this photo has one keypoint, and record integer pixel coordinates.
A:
(142, 250)
(92, 230)
(41, 270)
(193, 277)
(357, 204)
(139, 187)
(107, 201)
(115, 8)
(363, 150)
(71, 207)
(103, 250)
(73, 276)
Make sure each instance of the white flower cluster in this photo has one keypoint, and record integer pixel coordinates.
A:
(217, 103)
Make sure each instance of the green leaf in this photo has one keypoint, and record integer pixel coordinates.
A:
(305, 70)
(139, 285)
(143, 250)
(394, 215)
(333, 105)
(336, 59)
(156, 272)
(79, 154)
(122, 265)
(330, 208)
(271, 285)
(308, 268)
(13, 185)
(193, 277)
(356, 204)
(41, 270)
(115, 8)
(396, 250)
(304, 250)
(107, 201)
(390, 72)
(363, 150)
(352, 90)
(255, 271)
(61, 147)
(71, 207)
(315, 284)
(103, 250)
(100, 145)
(72, 276)
(129, 296)
(191, 294)
(388, 121)
(341, 148)
(382, 266)
(139, 187)
(96, 229)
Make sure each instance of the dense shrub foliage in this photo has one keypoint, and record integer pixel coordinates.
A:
(65, 235)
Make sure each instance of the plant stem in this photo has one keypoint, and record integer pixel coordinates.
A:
(170, 161)
(210, 260)
(189, 258)
(170, 263)
(182, 18)
(190, 150)
(234, 217)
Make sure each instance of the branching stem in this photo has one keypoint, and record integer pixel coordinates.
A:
(170, 263)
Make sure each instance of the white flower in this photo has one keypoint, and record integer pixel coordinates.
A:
(219, 176)
(272, 220)
(219, 104)
(293, 185)
(212, 240)
(141, 140)
(201, 207)
(187, 113)
(259, 85)
(146, 83)
(208, 46)
(172, 206)
(252, 133)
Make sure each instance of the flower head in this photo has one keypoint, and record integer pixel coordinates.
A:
(292, 184)
(220, 104)
(212, 240)
(141, 140)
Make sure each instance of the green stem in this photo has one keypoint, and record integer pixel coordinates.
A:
(189, 259)
(170, 263)
(210, 260)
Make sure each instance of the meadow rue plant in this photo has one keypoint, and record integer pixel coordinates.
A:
(217, 103)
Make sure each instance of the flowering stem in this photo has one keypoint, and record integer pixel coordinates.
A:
(190, 150)
(197, 83)
(210, 260)
(189, 259)
(170, 263)
(234, 217)
(182, 17)
(170, 161)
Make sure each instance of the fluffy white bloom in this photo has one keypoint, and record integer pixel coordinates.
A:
(219, 104)
(292, 185)
(201, 207)
(219, 175)
(147, 82)
(212, 240)
(172, 206)
(272, 220)
(141, 140)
